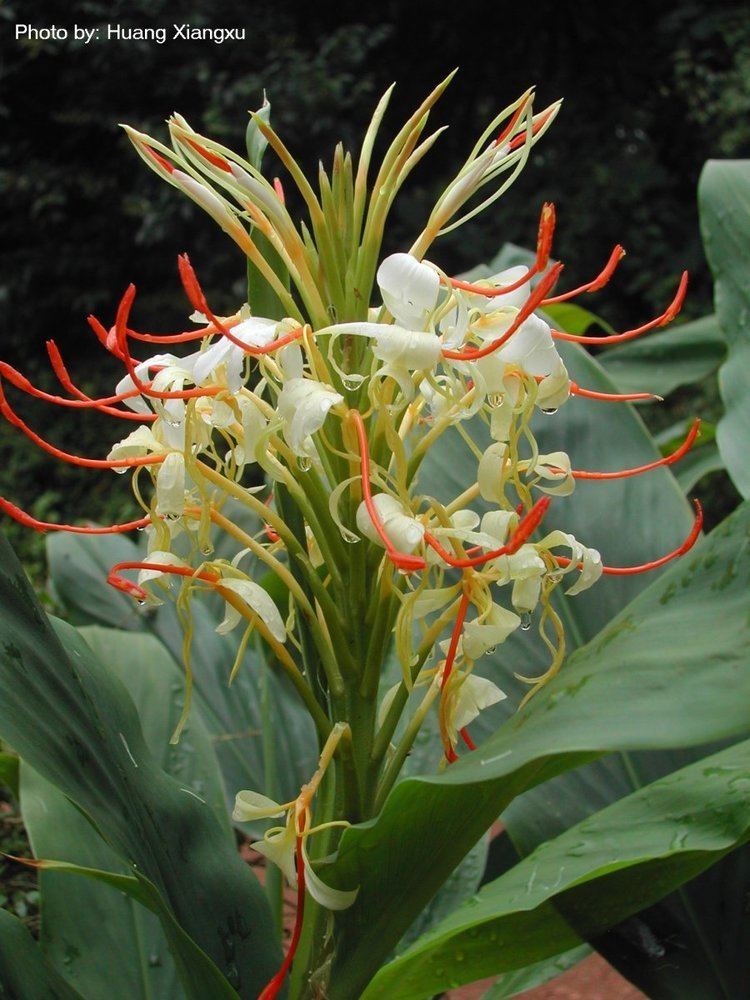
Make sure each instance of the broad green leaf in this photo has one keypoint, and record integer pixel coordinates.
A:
(233, 715)
(596, 874)
(200, 976)
(724, 200)
(457, 889)
(698, 463)
(572, 318)
(537, 974)
(660, 675)
(24, 972)
(9, 771)
(74, 722)
(663, 361)
(89, 932)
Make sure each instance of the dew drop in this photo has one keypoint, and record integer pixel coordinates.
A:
(154, 960)
(206, 550)
(140, 602)
(549, 412)
(141, 527)
(304, 464)
(526, 621)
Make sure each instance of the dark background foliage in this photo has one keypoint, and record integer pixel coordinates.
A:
(651, 91)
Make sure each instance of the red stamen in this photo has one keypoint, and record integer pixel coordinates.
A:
(467, 739)
(545, 236)
(21, 382)
(198, 299)
(26, 519)
(89, 463)
(215, 159)
(115, 579)
(617, 338)
(610, 397)
(592, 286)
(525, 529)
(646, 567)
(676, 455)
(165, 164)
(277, 186)
(511, 126)
(82, 401)
(463, 607)
(401, 560)
(538, 121)
(274, 987)
(146, 389)
(545, 284)
(272, 535)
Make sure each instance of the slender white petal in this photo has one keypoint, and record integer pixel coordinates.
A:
(261, 603)
(249, 806)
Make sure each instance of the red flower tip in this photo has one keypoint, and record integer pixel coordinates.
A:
(278, 188)
(213, 158)
(545, 235)
(163, 163)
(674, 308)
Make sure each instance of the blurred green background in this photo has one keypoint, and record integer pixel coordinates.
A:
(651, 92)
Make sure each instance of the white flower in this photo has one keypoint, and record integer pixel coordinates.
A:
(140, 442)
(303, 406)
(256, 598)
(255, 332)
(162, 558)
(553, 469)
(170, 486)
(473, 695)
(490, 472)
(484, 634)
(409, 288)
(590, 560)
(525, 568)
(250, 806)
(514, 299)
(402, 528)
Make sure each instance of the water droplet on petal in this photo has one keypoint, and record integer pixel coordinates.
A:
(549, 412)
(526, 621)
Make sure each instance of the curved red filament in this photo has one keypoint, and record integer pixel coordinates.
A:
(591, 286)
(28, 521)
(617, 338)
(523, 532)
(676, 455)
(90, 463)
(656, 563)
(474, 353)
(450, 753)
(402, 560)
(115, 579)
(609, 397)
(274, 987)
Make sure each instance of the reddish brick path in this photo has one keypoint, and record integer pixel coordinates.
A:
(592, 979)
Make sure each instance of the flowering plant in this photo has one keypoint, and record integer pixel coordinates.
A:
(314, 408)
